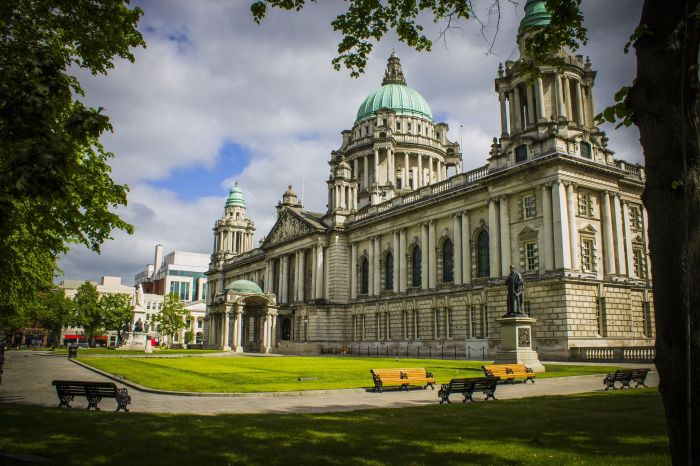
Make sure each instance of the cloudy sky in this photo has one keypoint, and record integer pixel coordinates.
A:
(215, 98)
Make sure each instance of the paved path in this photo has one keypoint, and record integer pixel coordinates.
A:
(27, 380)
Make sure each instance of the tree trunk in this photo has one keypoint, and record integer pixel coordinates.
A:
(665, 101)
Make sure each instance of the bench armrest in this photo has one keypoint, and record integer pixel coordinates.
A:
(429, 374)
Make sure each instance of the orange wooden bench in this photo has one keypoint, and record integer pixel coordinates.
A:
(510, 372)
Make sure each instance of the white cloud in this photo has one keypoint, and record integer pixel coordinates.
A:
(210, 75)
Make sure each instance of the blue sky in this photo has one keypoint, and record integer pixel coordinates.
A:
(215, 98)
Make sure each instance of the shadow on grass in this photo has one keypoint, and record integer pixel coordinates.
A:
(607, 428)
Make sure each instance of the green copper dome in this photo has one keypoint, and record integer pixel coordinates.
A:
(535, 14)
(243, 286)
(235, 197)
(398, 97)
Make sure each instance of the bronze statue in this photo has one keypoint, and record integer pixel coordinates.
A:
(138, 326)
(516, 289)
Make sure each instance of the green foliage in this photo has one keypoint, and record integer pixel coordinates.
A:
(282, 374)
(367, 21)
(54, 312)
(620, 112)
(115, 310)
(55, 187)
(87, 311)
(172, 316)
(189, 337)
(621, 428)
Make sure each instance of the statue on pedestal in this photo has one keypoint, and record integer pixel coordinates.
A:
(138, 326)
(516, 290)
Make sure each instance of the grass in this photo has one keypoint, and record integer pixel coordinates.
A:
(256, 374)
(623, 427)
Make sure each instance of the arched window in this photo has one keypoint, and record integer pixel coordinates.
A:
(364, 276)
(447, 261)
(415, 267)
(389, 272)
(482, 254)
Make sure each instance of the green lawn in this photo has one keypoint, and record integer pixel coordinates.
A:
(620, 428)
(261, 374)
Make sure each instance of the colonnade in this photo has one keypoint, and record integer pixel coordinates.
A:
(281, 284)
(411, 169)
(526, 102)
(232, 240)
(343, 197)
(226, 328)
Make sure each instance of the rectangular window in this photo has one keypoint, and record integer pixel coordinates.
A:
(587, 255)
(601, 318)
(416, 326)
(387, 326)
(526, 305)
(385, 122)
(398, 126)
(646, 319)
(486, 322)
(404, 321)
(521, 153)
(585, 206)
(529, 208)
(379, 326)
(200, 324)
(450, 325)
(364, 327)
(436, 324)
(472, 318)
(635, 218)
(531, 261)
(640, 270)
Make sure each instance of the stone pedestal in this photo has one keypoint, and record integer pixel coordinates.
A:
(134, 341)
(516, 342)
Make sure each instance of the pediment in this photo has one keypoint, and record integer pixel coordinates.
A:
(288, 227)
(588, 229)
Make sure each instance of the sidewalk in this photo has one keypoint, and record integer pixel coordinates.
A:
(27, 380)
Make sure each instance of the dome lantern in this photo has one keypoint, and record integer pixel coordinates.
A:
(235, 197)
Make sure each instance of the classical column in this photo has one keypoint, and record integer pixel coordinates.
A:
(548, 252)
(302, 273)
(266, 288)
(540, 99)
(354, 169)
(390, 172)
(430, 169)
(403, 269)
(377, 265)
(645, 231)
(590, 112)
(224, 341)
(519, 123)
(406, 183)
(504, 114)
(396, 265)
(326, 280)
(573, 231)
(511, 108)
(494, 240)
(619, 238)
(530, 105)
(420, 170)
(608, 245)
(312, 288)
(457, 256)
(628, 238)
(567, 93)
(560, 227)
(438, 169)
(365, 173)
(424, 256)
(238, 329)
(285, 279)
(561, 108)
(376, 166)
(320, 278)
(273, 330)
(280, 279)
(432, 254)
(506, 259)
(579, 103)
(353, 271)
(466, 249)
(370, 266)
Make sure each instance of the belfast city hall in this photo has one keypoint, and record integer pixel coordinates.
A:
(412, 252)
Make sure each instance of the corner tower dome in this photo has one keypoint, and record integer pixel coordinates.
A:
(535, 15)
(395, 95)
(235, 197)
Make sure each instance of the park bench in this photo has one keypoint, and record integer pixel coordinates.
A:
(467, 387)
(93, 391)
(509, 372)
(625, 377)
(401, 378)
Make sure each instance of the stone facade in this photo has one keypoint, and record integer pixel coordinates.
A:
(412, 252)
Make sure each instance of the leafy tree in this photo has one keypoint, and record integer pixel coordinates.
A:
(55, 187)
(189, 337)
(663, 102)
(116, 312)
(87, 311)
(172, 316)
(54, 313)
